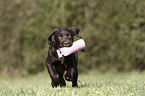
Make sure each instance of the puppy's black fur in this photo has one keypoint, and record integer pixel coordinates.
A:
(63, 37)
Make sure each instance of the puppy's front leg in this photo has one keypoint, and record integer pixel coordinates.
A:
(55, 79)
(75, 78)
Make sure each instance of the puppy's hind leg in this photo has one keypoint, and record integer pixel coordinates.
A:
(69, 74)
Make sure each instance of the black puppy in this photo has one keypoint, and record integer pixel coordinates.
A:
(63, 37)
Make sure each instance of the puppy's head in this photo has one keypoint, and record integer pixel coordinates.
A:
(64, 36)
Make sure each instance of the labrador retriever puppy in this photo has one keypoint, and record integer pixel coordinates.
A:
(63, 37)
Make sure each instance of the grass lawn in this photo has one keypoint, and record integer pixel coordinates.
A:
(91, 84)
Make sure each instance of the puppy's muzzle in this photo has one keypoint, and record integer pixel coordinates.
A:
(66, 44)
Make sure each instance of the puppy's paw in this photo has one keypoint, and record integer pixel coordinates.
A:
(68, 77)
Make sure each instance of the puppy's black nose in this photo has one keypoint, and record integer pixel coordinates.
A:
(66, 43)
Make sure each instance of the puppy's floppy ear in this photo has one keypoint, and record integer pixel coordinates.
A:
(50, 36)
(75, 31)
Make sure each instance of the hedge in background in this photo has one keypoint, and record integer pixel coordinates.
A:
(114, 32)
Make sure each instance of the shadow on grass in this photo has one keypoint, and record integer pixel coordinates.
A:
(83, 85)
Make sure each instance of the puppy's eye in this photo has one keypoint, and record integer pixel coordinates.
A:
(68, 35)
(59, 36)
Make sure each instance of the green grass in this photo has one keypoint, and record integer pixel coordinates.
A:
(131, 84)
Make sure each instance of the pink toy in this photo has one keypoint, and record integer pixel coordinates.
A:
(77, 45)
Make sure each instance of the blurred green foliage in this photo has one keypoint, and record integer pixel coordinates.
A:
(114, 31)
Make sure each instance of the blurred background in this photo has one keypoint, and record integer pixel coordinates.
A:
(114, 31)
